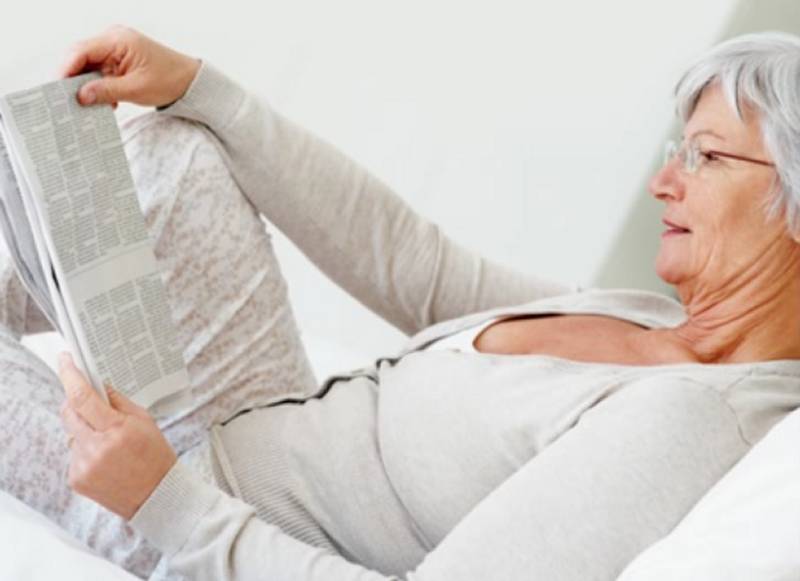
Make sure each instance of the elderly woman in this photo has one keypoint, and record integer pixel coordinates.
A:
(527, 430)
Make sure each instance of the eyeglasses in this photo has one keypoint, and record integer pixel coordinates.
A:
(693, 158)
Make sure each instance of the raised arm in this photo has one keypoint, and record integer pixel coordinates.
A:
(352, 226)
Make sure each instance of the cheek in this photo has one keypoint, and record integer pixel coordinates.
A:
(728, 231)
(704, 252)
(740, 212)
(733, 239)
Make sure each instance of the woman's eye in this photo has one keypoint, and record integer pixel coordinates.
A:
(709, 157)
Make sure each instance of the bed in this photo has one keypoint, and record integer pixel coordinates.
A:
(26, 537)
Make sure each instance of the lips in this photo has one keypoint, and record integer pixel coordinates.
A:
(675, 227)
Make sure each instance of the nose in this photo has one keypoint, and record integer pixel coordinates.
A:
(668, 183)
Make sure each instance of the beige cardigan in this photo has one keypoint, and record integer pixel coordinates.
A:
(433, 465)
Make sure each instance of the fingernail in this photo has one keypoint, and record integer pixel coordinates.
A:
(89, 97)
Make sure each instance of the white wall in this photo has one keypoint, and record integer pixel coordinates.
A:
(525, 128)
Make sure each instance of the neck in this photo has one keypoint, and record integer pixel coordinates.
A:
(754, 316)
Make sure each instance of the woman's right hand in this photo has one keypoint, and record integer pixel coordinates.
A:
(135, 68)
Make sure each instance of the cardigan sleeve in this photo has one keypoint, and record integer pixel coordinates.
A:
(620, 479)
(353, 227)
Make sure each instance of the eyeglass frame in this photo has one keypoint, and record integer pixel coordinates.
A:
(673, 150)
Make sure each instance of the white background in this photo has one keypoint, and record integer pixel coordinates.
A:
(527, 129)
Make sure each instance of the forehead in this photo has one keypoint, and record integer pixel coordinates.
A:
(715, 119)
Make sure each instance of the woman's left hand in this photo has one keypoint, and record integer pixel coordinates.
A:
(119, 455)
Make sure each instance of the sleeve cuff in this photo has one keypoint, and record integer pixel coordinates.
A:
(212, 99)
(170, 514)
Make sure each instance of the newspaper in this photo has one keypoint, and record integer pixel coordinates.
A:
(72, 223)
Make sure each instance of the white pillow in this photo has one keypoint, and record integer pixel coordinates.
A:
(746, 528)
(34, 549)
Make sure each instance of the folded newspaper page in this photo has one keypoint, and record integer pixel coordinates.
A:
(72, 223)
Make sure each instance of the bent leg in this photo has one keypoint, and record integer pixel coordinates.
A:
(225, 288)
(234, 323)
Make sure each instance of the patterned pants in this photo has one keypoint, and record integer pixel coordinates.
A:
(228, 299)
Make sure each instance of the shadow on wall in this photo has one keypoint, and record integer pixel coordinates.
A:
(629, 263)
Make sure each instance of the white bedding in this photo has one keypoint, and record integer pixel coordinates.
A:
(34, 549)
(746, 528)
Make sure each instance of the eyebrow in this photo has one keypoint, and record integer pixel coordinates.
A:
(706, 132)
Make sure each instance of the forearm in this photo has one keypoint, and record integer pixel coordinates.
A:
(209, 535)
(352, 226)
(583, 508)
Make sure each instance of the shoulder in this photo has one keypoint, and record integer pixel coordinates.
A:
(671, 406)
(761, 394)
(757, 395)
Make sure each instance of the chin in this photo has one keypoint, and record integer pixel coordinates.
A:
(669, 273)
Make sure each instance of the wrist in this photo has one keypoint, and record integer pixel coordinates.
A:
(185, 71)
(189, 72)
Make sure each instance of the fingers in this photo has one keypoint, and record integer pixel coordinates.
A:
(121, 467)
(75, 425)
(124, 405)
(88, 55)
(84, 400)
(108, 90)
(135, 68)
(109, 53)
(97, 53)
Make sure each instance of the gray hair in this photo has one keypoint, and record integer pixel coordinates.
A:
(762, 71)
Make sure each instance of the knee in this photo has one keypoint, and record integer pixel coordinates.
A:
(164, 151)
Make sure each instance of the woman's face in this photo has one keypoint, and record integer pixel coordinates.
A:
(720, 204)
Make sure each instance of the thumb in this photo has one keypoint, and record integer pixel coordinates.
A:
(122, 404)
(108, 90)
